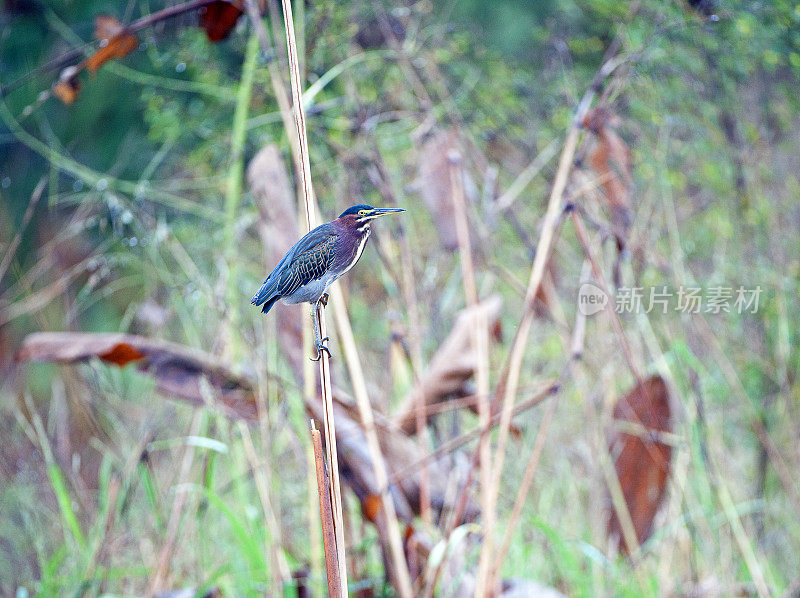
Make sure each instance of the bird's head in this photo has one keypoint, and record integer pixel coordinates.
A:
(361, 215)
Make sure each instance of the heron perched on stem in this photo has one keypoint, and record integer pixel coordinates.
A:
(314, 263)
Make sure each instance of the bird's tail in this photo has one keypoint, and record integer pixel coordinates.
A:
(268, 305)
(266, 295)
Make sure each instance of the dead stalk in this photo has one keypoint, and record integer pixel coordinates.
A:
(403, 580)
(480, 344)
(333, 456)
(326, 516)
(551, 221)
(324, 363)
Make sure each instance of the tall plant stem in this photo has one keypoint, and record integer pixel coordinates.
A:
(480, 344)
(324, 363)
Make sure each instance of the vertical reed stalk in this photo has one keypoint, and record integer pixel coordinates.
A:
(402, 577)
(480, 345)
(326, 516)
(324, 364)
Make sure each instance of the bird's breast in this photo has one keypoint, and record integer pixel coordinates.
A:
(352, 248)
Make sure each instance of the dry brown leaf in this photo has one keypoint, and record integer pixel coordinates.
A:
(611, 160)
(219, 18)
(452, 366)
(642, 459)
(177, 370)
(435, 186)
(272, 193)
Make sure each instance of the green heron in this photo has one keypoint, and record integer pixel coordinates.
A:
(312, 265)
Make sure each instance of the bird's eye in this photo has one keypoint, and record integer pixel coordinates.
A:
(362, 212)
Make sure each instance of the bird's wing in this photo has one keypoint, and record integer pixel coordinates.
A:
(307, 260)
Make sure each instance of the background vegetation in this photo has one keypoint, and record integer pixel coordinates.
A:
(134, 214)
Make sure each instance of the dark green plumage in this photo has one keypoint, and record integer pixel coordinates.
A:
(308, 260)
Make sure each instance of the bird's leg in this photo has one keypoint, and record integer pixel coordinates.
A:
(324, 299)
(318, 343)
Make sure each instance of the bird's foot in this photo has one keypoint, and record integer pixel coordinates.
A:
(324, 299)
(320, 348)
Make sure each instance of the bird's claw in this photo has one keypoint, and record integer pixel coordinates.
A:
(320, 348)
(324, 299)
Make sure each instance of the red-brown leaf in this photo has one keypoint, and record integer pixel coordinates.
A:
(121, 354)
(642, 460)
(219, 18)
(177, 370)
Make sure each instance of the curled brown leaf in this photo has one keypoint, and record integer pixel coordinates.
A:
(178, 371)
